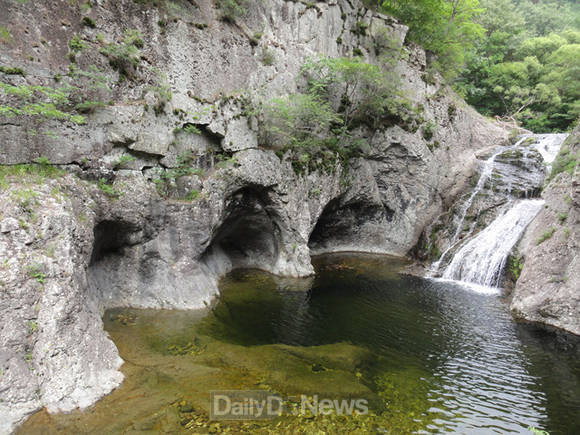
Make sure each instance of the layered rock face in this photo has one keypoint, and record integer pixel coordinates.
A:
(505, 176)
(547, 290)
(159, 236)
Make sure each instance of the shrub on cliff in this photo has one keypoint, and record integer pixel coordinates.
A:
(299, 120)
(81, 92)
(362, 93)
(338, 95)
(125, 56)
(568, 157)
(232, 9)
(318, 126)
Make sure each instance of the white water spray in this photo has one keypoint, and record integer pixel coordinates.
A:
(486, 172)
(548, 145)
(482, 259)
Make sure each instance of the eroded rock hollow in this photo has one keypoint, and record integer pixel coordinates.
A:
(169, 186)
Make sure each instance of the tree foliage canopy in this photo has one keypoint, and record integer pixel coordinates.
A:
(515, 58)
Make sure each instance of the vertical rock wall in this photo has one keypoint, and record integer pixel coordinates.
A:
(548, 290)
(69, 249)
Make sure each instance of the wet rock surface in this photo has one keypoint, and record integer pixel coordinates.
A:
(153, 212)
(547, 291)
(505, 175)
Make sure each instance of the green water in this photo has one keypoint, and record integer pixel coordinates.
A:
(428, 357)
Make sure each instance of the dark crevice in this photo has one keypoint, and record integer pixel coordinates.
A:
(110, 238)
(214, 137)
(340, 224)
(249, 234)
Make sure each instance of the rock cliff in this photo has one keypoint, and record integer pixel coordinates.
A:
(145, 200)
(547, 290)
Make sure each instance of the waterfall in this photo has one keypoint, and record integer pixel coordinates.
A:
(548, 145)
(485, 174)
(482, 259)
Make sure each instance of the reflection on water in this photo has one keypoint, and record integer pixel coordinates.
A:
(429, 355)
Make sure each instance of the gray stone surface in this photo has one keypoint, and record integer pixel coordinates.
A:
(54, 352)
(548, 290)
(247, 207)
(518, 172)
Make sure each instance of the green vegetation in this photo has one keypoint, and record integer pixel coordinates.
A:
(87, 89)
(546, 235)
(123, 161)
(301, 124)
(108, 188)
(361, 93)
(518, 59)
(82, 91)
(562, 217)
(32, 326)
(76, 45)
(5, 35)
(385, 45)
(429, 245)
(125, 56)
(9, 70)
(191, 129)
(339, 95)
(299, 120)
(192, 195)
(566, 160)
(166, 178)
(35, 173)
(360, 28)
(559, 279)
(35, 272)
(133, 37)
(224, 159)
(255, 38)
(88, 22)
(445, 27)
(38, 101)
(232, 9)
(428, 130)
(162, 92)
(515, 266)
(187, 128)
(268, 57)
(527, 65)
(27, 199)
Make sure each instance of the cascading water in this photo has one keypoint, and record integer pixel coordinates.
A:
(485, 174)
(481, 259)
(548, 145)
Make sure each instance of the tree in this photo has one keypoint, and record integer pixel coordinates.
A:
(526, 65)
(299, 120)
(445, 27)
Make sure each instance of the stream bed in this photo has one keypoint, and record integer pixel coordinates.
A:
(428, 356)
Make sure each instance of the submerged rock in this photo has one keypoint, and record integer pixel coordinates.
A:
(180, 191)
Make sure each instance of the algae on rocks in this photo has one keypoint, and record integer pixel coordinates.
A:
(162, 230)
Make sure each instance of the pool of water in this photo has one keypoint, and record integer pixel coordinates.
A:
(428, 356)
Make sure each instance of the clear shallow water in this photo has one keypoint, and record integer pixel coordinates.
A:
(430, 356)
